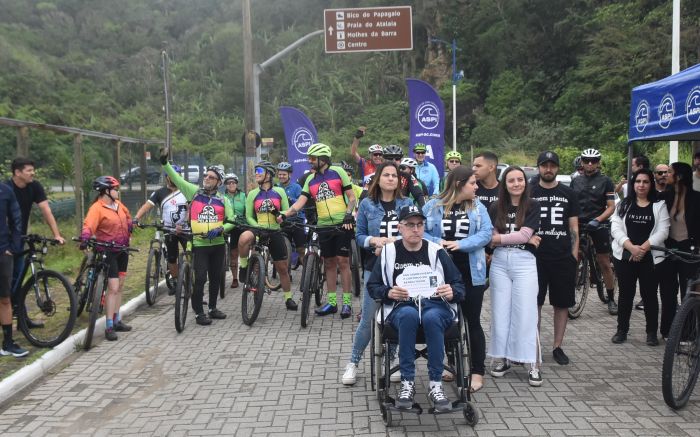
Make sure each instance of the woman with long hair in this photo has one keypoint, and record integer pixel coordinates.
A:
(109, 220)
(377, 225)
(683, 205)
(460, 223)
(639, 222)
(514, 286)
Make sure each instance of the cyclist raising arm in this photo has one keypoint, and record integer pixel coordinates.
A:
(376, 157)
(263, 204)
(327, 187)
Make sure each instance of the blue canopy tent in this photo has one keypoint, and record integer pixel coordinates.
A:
(666, 110)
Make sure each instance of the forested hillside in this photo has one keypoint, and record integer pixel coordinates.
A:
(538, 73)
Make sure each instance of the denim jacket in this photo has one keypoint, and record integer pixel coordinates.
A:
(369, 218)
(480, 229)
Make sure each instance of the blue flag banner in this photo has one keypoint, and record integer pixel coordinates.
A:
(427, 121)
(300, 133)
(668, 109)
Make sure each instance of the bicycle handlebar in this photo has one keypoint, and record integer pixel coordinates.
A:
(108, 245)
(686, 257)
(34, 238)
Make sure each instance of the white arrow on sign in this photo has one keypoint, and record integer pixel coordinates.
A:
(330, 30)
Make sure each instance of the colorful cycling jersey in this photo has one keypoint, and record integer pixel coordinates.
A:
(173, 207)
(207, 211)
(263, 206)
(327, 189)
(367, 169)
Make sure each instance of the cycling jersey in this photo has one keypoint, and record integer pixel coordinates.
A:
(293, 191)
(367, 169)
(237, 201)
(594, 192)
(173, 207)
(263, 206)
(327, 190)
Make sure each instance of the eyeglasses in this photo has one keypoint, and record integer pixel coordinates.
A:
(454, 161)
(590, 161)
(231, 182)
(419, 153)
(661, 173)
(259, 170)
(397, 159)
(412, 226)
(377, 154)
(208, 176)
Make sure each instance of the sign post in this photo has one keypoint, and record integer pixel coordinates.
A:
(368, 29)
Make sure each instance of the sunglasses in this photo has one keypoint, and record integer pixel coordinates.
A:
(661, 173)
(208, 176)
(590, 161)
(377, 154)
(419, 153)
(454, 161)
(231, 182)
(259, 170)
(403, 167)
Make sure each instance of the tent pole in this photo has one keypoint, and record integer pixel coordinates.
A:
(675, 65)
(630, 154)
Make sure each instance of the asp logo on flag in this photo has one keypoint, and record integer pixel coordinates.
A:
(667, 109)
(642, 116)
(302, 139)
(428, 115)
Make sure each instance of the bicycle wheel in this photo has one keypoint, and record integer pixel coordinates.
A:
(596, 278)
(222, 279)
(99, 289)
(152, 275)
(253, 290)
(50, 304)
(272, 281)
(355, 267)
(581, 290)
(681, 357)
(81, 288)
(183, 291)
(307, 285)
(317, 282)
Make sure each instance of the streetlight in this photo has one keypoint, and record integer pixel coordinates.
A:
(456, 77)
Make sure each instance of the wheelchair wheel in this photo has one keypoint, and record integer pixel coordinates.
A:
(581, 290)
(378, 356)
(355, 267)
(386, 415)
(471, 414)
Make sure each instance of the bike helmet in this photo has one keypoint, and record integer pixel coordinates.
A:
(284, 166)
(420, 147)
(105, 183)
(230, 176)
(268, 166)
(393, 151)
(218, 171)
(375, 148)
(577, 163)
(453, 155)
(347, 167)
(409, 162)
(319, 149)
(590, 154)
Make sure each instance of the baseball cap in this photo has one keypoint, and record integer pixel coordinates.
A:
(410, 211)
(548, 156)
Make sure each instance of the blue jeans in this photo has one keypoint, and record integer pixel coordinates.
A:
(437, 317)
(363, 334)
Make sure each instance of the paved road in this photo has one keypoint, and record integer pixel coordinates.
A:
(278, 379)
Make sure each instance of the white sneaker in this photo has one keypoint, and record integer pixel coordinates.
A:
(350, 375)
(396, 376)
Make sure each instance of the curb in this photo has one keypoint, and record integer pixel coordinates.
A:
(19, 380)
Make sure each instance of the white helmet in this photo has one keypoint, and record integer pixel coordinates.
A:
(591, 154)
(409, 162)
(375, 148)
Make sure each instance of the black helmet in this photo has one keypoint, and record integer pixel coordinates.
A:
(268, 166)
(105, 183)
(393, 151)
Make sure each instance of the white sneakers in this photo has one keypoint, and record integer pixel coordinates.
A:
(350, 375)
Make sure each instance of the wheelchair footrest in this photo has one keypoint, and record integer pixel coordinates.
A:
(391, 405)
(457, 407)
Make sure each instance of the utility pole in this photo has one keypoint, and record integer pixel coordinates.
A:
(249, 140)
(675, 64)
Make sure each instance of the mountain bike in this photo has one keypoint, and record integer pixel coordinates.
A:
(588, 274)
(157, 265)
(355, 267)
(681, 363)
(47, 307)
(96, 279)
(227, 262)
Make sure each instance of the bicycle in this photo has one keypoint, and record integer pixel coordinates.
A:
(156, 265)
(95, 286)
(588, 273)
(355, 267)
(681, 362)
(46, 309)
(226, 261)
(257, 281)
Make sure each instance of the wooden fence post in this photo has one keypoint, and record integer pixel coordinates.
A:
(78, 180)
(144, 174)
(23, 141)
(116, 156)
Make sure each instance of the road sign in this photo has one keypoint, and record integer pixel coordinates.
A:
(368, 29)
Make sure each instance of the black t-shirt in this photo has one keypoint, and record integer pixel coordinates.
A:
(404, 258)
(32, 193)
(486, 195)
(593, 193)
(557, 206)
(532, 221)
(639, 222)
(455, 227)
(389, 227)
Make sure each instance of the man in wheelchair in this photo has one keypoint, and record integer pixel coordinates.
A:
(417, 281)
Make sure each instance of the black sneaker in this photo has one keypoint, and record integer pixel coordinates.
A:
(406, 393)
(652, 340)
(13, 349)
(203, 319)
(439, 400)
(242, 274)
(619, 337)
(122, 327)
(216, 314)
(560, 357)
(290, 304)
(110, 334)
(612, 307)
(640, 305)
(345, 312)
(500, 369)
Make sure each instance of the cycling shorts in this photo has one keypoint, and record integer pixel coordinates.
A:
(278, 246)
(601, 240)
(233, 238)
(118, 262)
(6, 263)
(296, 235)
(559, 276)
(334, 242)
(172, 249)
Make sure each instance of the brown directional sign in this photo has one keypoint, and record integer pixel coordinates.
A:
(368, 29)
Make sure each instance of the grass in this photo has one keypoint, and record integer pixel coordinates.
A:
(66, 260)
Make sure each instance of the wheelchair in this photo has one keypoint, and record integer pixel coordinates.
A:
(456, 348)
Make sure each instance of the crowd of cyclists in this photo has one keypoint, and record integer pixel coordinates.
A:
(497, 230)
